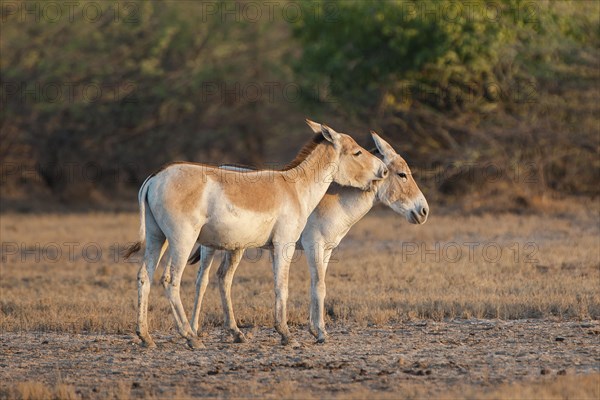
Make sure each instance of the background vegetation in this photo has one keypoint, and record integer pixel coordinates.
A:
(486, 99)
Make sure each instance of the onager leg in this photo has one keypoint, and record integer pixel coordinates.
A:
(318, 260)
(226, 271)
(155, 248)
(178, 255)
(281, 268)
(207, 255)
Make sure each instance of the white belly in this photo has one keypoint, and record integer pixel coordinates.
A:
(230, 227)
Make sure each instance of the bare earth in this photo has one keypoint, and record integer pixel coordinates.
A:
(464, 306)
(421, 358)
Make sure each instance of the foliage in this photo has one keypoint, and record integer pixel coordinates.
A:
(130, 93)
(148, 82)
(467, 83)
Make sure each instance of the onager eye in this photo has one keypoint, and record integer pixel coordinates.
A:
(358, 153)
(403, 176)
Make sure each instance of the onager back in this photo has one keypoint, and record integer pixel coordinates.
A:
(184, 203)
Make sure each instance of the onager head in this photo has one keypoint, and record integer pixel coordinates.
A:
(399, 191)
(356, 167)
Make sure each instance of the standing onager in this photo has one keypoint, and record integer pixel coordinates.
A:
(331, 220)
(184, 203)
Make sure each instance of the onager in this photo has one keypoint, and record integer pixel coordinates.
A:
(185, 203)
(336, 213)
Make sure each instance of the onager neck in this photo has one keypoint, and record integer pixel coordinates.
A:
(355, 203)
(313, 176)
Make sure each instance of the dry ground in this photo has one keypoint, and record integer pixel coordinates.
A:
(464, 306)
(415, 359)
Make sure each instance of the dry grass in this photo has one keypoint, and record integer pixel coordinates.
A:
(562, 387)
(38, 390)
(385, 271)
(119, 390)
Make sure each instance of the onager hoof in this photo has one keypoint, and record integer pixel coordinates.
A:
(148, 343)
(146, 339)
(322, 337)
(239, 337)
(195, 343)
(286, 341)
(313, 331)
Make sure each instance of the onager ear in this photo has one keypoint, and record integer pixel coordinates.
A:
(384, 147)
(330, 135)
(315, 126)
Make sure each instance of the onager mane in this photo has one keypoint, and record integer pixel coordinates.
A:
(302, 155)
(308, 148)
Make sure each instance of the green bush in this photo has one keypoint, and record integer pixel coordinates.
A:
(466, 83)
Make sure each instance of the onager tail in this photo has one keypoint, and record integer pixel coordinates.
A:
(134, 248)
(195, 257)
